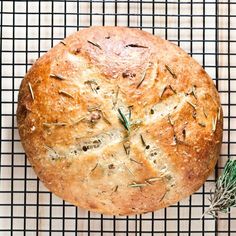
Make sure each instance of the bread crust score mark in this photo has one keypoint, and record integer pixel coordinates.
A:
(119, 121)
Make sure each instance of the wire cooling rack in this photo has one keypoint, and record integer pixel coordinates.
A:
(205, 29)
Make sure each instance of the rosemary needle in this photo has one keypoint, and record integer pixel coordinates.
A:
(60, 77)
(136, 185)
(214, 123)
(124, 120)
(31, 90)
(94, 44)
(54, 124)
(192, 105)
(65, 93)
(171, 72)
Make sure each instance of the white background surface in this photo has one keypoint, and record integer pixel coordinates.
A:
(25, 204)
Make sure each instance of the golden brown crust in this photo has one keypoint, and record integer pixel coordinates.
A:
(69, 121)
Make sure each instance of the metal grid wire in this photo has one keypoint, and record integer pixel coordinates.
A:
(205, 29)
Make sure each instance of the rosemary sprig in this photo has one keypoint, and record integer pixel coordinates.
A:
(224, 195)
(31, 90)
(124, 120)
(171, 72)
(60, 77)
(94, 44)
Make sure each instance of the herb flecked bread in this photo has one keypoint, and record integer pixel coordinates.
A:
(119, 121)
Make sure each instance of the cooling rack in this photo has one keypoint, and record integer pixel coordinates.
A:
(205, 29)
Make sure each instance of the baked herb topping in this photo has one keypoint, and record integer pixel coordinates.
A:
(31, 90)
(170, 121)
(143, 142)
(218, 113)
(171, 72)
(93, 85)
(163, 91)
(116, 188)
(56, 76)
(65, 93)
(130, 111)
(94, 168)
(46, 124)
(204, 112)
(126, 146)
(137, 185)
(104, 115)
(192, 105)
(128, 74)
(79, 120)
(184, 133)
(94, 44)
(134, 45)
(131, 159)
(124, 120)
(214, 123)
(193, 91)
(173, 90)
(116, 96)
(142, 79)
(194, 115)
(202, 124)
(154, 179)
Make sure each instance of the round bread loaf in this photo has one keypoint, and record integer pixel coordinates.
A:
(119, 121)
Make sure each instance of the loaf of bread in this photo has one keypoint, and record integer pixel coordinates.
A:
(119, 121)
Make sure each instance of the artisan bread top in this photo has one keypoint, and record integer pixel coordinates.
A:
(119, 121)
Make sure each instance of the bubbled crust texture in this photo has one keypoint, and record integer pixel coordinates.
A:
(71, 130)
